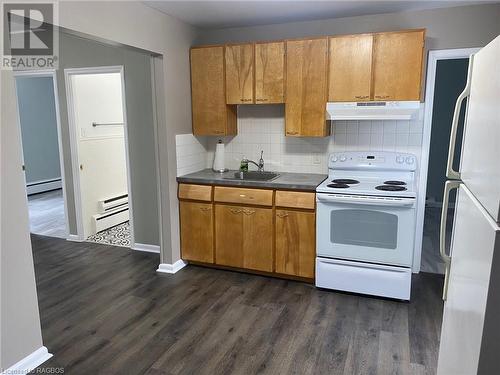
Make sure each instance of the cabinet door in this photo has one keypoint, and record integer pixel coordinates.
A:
(397, 65)
(269, 72)
(244, 237)
(196, 221)
(306, 88)
(295, 243)
(211, 115)
(350, 68)
(239, 74)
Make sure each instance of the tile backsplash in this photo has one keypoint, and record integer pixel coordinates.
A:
(263, 128)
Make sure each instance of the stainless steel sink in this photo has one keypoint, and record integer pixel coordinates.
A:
(253, 176)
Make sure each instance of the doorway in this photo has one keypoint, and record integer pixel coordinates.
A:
(99, 153)
(43, 163)
(447, 78)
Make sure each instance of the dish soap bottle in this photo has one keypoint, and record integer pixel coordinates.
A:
(244, 165)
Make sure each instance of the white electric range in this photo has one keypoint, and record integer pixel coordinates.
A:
(365, 225)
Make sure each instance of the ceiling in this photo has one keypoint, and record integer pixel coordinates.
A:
(223, 14)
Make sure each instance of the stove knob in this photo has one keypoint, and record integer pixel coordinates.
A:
(410, 160)
(400, 159)
(334, 159)
(343, 158)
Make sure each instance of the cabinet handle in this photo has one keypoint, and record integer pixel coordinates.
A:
(245, 100)
(282, 214)
(382, 96)
(205, 208)
(261, 100)
(292, 133)
(361, 96)
(218, 132)
(235, 211)
(248, 212)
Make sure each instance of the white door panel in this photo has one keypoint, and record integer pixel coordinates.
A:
(480, 168)
(475, 237)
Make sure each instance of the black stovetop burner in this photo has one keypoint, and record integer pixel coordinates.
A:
(390, 188)
(345, 181)
(338, 186)
(395, 183)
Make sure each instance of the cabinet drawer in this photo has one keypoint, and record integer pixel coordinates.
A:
(295, 199)
(244, 196)
(195, 192)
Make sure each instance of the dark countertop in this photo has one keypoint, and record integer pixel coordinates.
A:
(289, 181)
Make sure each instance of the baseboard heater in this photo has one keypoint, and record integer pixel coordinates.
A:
(42, 186)
(112, 211)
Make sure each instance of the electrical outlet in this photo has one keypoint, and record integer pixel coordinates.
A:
(316, 159)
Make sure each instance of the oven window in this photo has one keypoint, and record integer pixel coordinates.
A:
(364, 228)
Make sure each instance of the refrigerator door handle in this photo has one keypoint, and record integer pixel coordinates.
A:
(450, 172)
(448, 187)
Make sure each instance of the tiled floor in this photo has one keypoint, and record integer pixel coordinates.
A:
(118, 235)
(46, 211)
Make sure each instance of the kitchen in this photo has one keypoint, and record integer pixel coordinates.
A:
(353, 107)
(292, 150)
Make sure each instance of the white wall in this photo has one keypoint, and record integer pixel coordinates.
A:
(101, 149)
(134, 24)
(19, 316)
(129, 23)
(263, 128)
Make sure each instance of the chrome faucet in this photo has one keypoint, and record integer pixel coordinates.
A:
(260, 165)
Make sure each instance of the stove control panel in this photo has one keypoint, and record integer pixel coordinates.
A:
(372, 160)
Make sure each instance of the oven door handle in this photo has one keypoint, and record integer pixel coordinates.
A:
(392, 202)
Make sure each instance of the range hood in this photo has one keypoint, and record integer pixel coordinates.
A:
(404, 110)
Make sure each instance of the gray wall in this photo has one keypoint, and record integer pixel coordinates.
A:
(37, 114)
(471, 26)
(76, 52)
(451, 77)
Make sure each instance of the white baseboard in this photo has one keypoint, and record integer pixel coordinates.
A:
(41, 186)
(146, 247)
(74, 238)
(30, 362)
(171, 268)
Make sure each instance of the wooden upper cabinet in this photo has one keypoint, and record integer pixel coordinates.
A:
(397, 65)
(306, 88)
(239, 73)
(211, 115)
(269, 72)
(350, 70)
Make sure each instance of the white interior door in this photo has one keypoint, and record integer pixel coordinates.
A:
(99, 128)
(479, 163)
(475, 238)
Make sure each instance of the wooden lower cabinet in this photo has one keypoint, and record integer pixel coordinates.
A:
(295, 242)
(244, 237)
(197, 241)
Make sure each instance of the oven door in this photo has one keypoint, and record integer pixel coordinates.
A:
(370, 229)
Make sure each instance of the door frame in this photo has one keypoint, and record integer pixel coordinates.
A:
(75, 160)
(51, 73)
(434, 57)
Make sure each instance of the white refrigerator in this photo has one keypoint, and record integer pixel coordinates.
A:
(470, 334)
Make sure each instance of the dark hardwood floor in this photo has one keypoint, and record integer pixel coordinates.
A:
(104, 310)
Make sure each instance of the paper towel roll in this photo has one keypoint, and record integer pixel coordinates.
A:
(219, 158)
